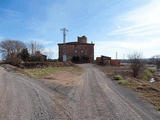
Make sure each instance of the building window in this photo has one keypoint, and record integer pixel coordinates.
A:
(75, 51)
(82, 51)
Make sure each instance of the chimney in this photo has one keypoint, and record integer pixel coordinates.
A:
(82, 39)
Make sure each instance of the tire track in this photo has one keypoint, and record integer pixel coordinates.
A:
(96, 99)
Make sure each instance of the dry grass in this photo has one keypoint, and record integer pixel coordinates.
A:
(43, 72)
(66, 76)
(149, 91)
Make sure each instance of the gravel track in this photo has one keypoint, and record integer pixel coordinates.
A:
(98, 99)
(22, 98)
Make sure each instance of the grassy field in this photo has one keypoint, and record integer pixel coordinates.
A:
(123, 75)
(42, 72)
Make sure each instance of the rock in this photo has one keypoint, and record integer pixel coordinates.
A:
(152, 80)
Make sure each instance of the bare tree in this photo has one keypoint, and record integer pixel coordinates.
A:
(11, 47)
(156, 60)
(136, 63)
(35, 46)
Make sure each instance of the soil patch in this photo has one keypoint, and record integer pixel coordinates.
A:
(64, 78)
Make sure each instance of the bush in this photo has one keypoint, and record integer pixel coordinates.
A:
(46, 64)
(35, 64)
(125, 83)
(37, 58)
(136, 63)
(14, 60)
(24, 55)
(147, 75)
(117, 77)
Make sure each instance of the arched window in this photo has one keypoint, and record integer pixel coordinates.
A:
(82, 51)
(75, 51)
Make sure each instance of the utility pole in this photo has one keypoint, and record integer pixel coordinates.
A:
(64, 57)
(64, 30)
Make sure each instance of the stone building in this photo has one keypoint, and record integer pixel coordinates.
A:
(79, 51)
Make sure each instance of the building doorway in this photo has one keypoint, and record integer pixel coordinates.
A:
(76, 59)
(82, 59)
(64, 58)
(85, 59)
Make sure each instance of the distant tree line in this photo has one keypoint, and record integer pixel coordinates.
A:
(156, 60)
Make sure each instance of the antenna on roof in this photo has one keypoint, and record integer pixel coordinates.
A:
(116, 55)
(64, 30)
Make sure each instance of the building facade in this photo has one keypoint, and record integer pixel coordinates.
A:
(79, 51)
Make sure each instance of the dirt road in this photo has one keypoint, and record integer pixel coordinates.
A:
(22, 98)
(96, 98)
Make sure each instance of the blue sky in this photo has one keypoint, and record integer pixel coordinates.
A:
(113, 25)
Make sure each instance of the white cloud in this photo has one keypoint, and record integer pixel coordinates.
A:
(143, 21)
(109, 48)
(147, 14)
(51, 52)
(141, 31)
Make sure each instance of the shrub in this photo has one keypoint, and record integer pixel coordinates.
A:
(46, 64)
(147, 75)
(37, 58)
(117, 77)
(24, 55)
(14, 60)
(136, 63)
(35, 64)
(125, 83)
